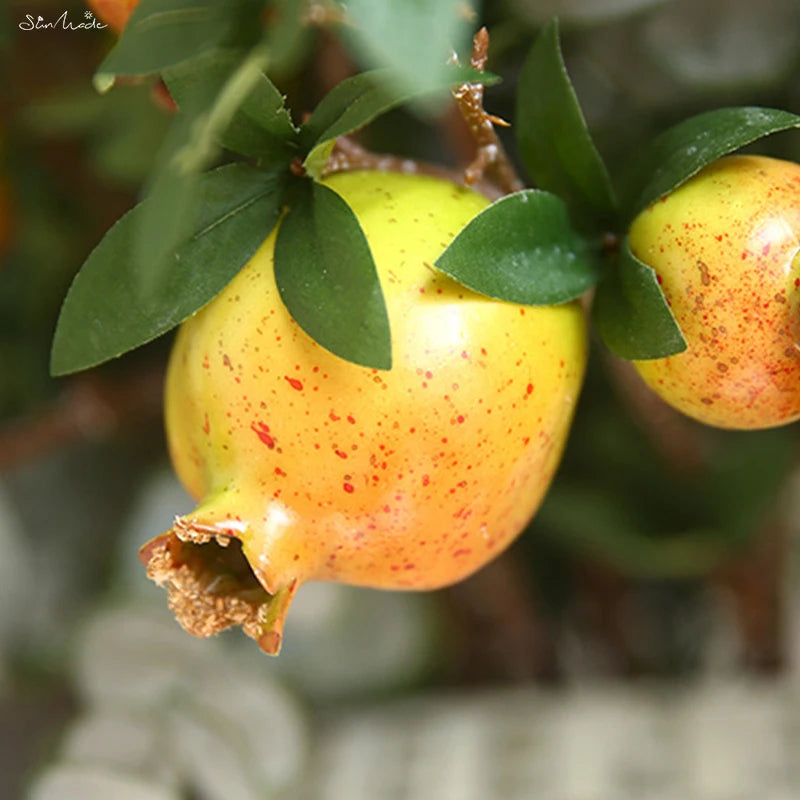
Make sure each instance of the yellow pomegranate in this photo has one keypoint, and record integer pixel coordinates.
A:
(313, 468)
(725, 249)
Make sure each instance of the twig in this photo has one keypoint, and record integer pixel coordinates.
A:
(498, 632)
(348, 155)
(90, 408)
(491, 158)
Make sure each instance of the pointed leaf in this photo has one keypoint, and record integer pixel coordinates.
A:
(327, 278)
(683, 150)
(632, 314)
(413, 37)
(247, 112)
(161, 33)
(554, 142)
(225, 99)
(235, 207)
(521, 249)
(358, 100)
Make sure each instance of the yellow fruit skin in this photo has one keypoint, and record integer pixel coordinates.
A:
(724, 247)
(407, 479)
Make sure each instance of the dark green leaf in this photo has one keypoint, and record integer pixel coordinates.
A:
(105, 314)
(327, 278)
(161, 33)
(552, 136)
(632, 314)
(413, 37)
(247, 113)
(358, 100)
(683, 150)
(225, 99)
(522, 249)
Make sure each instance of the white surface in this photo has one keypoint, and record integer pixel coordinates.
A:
(715, 741)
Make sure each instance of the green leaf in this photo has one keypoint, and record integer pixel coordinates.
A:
(632, 314)
(413, 37)
(683, 150)
(327, 278)
(553, 140)
(161, 33)
(358, 100)
(225, 99)
(104, 314)
(245, 112)
(522, 249)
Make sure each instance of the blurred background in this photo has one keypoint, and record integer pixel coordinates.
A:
(640, 640)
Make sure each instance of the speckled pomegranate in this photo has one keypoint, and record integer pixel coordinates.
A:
(725, 250)
(314, 468)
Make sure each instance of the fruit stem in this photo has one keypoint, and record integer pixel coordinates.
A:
(491, 158)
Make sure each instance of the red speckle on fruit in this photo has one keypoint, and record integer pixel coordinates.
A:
(262, 431)
(294, 383)
(348, 487)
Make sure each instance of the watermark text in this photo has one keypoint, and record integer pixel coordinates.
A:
(62, 22)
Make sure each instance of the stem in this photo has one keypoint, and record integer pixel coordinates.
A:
(491, 159)
(348, 155)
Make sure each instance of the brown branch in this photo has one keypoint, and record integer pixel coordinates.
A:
(348, 155)
(90, 408)
(491, 159)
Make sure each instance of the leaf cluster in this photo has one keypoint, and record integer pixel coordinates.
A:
(236, 161)
(233, 163)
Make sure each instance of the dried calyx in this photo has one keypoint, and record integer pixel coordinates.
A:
(211, 587)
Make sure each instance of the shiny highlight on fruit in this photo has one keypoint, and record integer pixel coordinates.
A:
(313, 468)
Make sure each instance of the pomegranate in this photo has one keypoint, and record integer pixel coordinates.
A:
(724, 246)
(314, 468)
